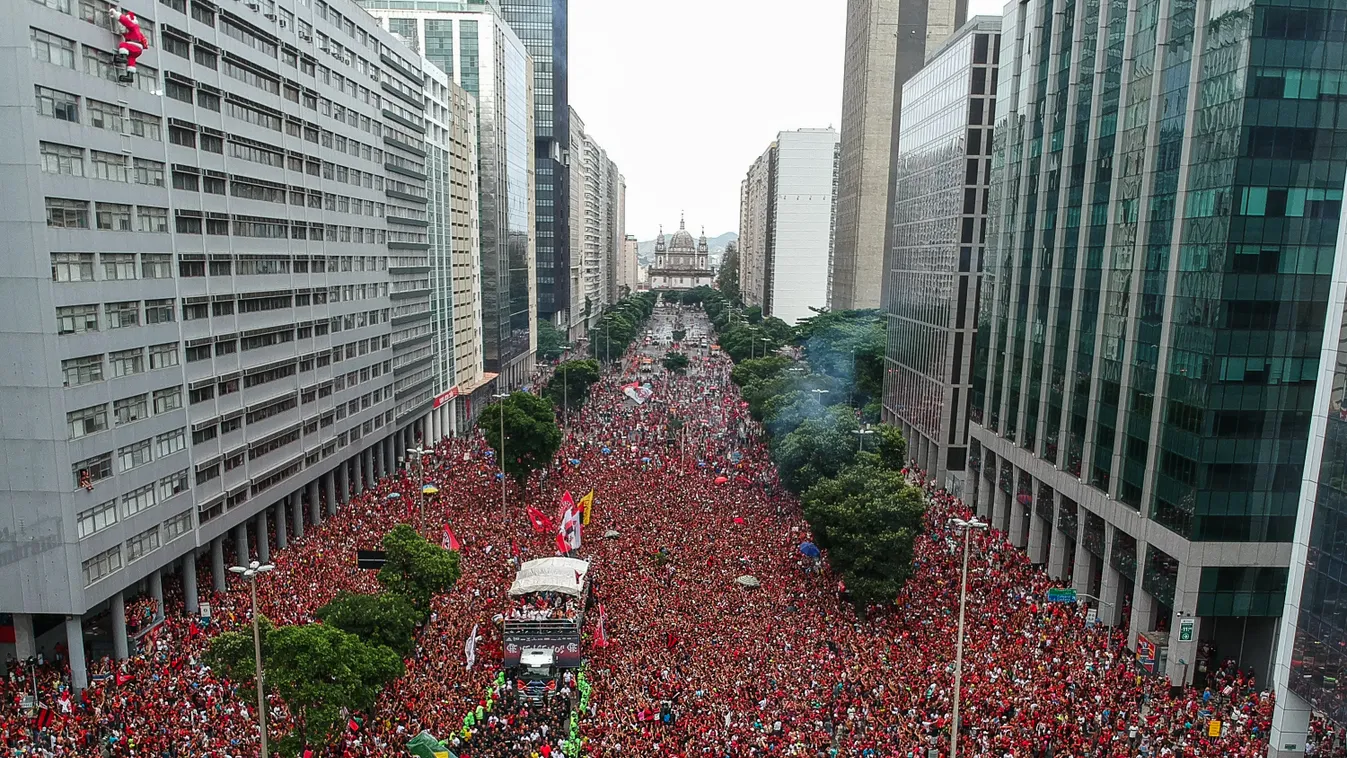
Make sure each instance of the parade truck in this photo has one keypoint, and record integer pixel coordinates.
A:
(542, 626)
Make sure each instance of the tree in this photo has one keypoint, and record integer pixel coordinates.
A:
(383, 619)
(416, 568)
(550, 341)
(531, 433)
(679, 334)
(318, 670)
(727, 279)
(867, 518)
(849, 346)
(892, 447)
(760, 369)
(818, 448)
(675, 362)
(570, 383)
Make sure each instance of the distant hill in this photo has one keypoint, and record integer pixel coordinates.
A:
(645, 249)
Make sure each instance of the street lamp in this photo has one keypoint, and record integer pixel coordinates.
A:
(820, 393)
(251, 572)
(500, 398)
(414, 458)
(967, 527)
(862, 433)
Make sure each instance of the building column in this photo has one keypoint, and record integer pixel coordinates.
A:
(1290, 723)
(1080, 574)
(390, 459)
(315, 507)
(1183, 653)
(263, 538)
(217, 567)
(343, 482)
(25, 644)
(330, 490)
(1110, 610)
(1017, 512)
(117, 620)
(432, 422)
(242, 554)
(376, 453)
(1038, 533)
(367, 458)
(74, 641)
(986, 491)
(282, 531)
(189, 599)
(1143, 607)
(297, 514)
(157, 592)
(1057, 546)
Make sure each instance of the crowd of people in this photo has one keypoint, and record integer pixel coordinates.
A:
(544, 606)
(695, 664)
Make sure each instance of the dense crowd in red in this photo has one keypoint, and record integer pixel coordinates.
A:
(786, 669)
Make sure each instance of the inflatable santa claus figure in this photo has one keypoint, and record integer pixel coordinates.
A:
(134, 41)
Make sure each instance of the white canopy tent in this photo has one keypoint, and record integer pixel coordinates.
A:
(550, 575)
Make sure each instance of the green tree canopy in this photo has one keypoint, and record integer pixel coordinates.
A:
(679, 334)
(760, 369)
(318, 670)
(570, 383)
(383, 619)
(550, 341)
(727, 279)
(675, 362)
(849, 346)
(531, 433)
(867, 519)
(892, 447)
(416, 568)
(817, 448)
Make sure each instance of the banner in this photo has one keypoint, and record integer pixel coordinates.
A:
(586, 506)
(450, 541)
(470, 647)
(568, 536)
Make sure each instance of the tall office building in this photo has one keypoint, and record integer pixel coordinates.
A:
(863, 187)
(1159, 251)
(471, 42)
(939, 209)
(579, 312)
(215, 278)
(786, 224)
(616, 230)
(542, 25)
(627, 266)
(1311, 669)
(597, 218)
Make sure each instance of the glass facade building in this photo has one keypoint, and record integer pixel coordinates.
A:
(938, 215)
(541, 24)
(1167, 182)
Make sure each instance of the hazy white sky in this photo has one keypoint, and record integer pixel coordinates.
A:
(685, 95)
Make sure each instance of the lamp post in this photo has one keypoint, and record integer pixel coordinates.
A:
(251, 572)
(820, 394)
(565, 390)
(862, 432)
(967, 527)
(414, 458)
(500, 399)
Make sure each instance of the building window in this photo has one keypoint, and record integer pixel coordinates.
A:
(169, 399)
(84, 370)
(96, 469)
(172, 44)
(147, 126)
(173, 484)
(86, 421)
(93, 520)
(76, 319)
(180, 524)
(123, 314)
(113, 216)
(152, 219)
(178, 91)
(201, 394)
(119, 266)
(67, 214)
(72, 267)
(49, 48)
(131, 456)
(156, 266)
(62, 159)
(163, 356)
(170, 443)
(183, 180)
(204, 57)
(102, 565)
(105, 115)
(177, 135)
(158, 311)
(57, 104)
(109, 166)
(131, 409)
(142, 544)
(127, 362)
(149, 172)
(138, 499)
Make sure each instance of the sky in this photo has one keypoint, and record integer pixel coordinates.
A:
(685, 95)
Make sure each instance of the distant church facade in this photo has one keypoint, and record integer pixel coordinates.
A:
(681, 264)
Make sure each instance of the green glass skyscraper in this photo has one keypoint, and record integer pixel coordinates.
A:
(1167, 178)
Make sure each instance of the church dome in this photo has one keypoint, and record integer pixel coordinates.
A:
(682, 241)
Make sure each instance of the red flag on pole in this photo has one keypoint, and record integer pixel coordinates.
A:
(541, 523)
(601, 633)
(450, 541)
(514, 547)
(567, 505)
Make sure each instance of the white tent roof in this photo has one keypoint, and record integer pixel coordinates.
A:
(550, 575)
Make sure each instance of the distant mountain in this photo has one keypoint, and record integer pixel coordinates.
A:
(645, 249)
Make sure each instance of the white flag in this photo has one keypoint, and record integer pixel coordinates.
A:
(470, 647)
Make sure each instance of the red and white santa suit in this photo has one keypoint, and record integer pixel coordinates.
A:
(134, 41)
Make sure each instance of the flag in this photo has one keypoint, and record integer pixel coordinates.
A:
(354, 723)
(568, 535)
(44, 719)
(567, 505)
(470, 647)
(601, 633)
(586, 506)
(450, 541)
(541, 523)
(121, 678)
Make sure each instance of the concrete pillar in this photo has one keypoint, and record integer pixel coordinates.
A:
(1110, 610)
(297, 511)
(1183, 653)
(433, 426)
(1038, 535)
(1018, 510)
(986, 491)
(263, 538)
(367, 458)
(1143, 608)
(190, 601)
(376, 453)
(1290, 722)
(217, 567)
(1057, 568)
(343, 482)
(157, 592)
(74, 640)
(282, 532)
(315, 507)
(330, 490)
(452, 412)
(390, 458)
(25, 644)
(242, 553)
(1080, 574)
(117, 620)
